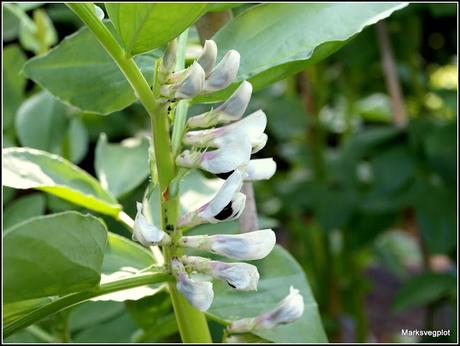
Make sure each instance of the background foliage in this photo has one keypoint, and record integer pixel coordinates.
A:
(366, 208)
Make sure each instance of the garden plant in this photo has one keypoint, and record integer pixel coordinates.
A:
(172, 234)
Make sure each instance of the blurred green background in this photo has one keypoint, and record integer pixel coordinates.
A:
(368, 208)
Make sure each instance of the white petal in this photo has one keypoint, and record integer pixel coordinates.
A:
(259, 143)
(260, 169)
(207, 59)
(248, 246)
(227, 158)
(146, 233)
(228, 194)
(250, 128)
(224, 73)
(224, 196)
(241, 276)
(99, 12)
(199, 294)
(290, 309)
(192, 83)
(230, 111)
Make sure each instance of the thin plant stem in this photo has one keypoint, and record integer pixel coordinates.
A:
(192, 323)
(73, 299)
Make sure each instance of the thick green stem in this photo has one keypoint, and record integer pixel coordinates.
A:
(192, 323)
(80, 297)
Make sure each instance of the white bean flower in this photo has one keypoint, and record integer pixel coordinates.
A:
(226, 205)
(249, 128)
(146, 233)
(224, 73)
(222, 160)
(198, 293)
(247, 246)
(187, 84)
(240, 276)
(207, 59)
(229, 111)
(288, 310)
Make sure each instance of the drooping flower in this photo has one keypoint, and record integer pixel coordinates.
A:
(187, 83)
(198, 293)
(207, 59)
(247, 246)
(288, 310)
(230, 111)
(227, 204)
(223, 160)
(146, 233)
(224, 73)
(241, 276)
(249, 128)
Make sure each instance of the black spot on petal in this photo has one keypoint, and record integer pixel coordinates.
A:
(231, 285)
(225, 175)
(225, 213)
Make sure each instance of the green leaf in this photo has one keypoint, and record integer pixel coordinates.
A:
(10, 25)
(424, 289)
(23, 209)
(145, 26)
(26, 168)
(53, 255)
(436, 215)
(122, 167)
(124, 258)
(122, 252)
(13, 83)
(278, 272)
(80, 72)
(42, 122)
(222, 6)
(277, 40)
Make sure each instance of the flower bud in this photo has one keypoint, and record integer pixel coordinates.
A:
(240, 276)
(260, 169)
(230, 111)
(224, 73)
(249, 128)
(169, 58)
(222, 160)
(199, 294)
(146, 233)
(288, 310)
(227, 204)
(207, 59)
(189, 85)
(248, 246)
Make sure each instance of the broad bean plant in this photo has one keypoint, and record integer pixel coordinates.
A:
(186, 249)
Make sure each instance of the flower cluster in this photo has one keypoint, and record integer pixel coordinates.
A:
(220, 141)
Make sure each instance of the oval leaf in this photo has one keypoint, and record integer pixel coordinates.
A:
(276, 40)
(53, 255)
(26, 168)
(116, 178)
(145, 26)
(23, 209)
(278, 271)
(80, 72)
